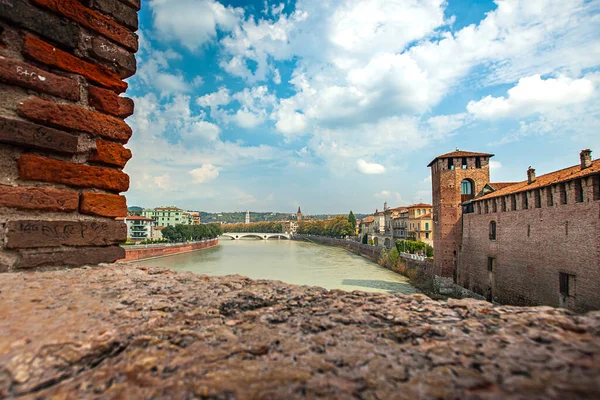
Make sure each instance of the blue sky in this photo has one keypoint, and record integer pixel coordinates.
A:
(338, 105)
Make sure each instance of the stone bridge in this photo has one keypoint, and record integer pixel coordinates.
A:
(258, 235)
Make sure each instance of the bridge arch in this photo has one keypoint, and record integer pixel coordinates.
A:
(258, 235)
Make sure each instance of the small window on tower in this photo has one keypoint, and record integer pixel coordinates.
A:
(464, 163)
(494, 205)
(493, 230)
(525, 200)
(477, 162)
(504, 203)
(450, 164)
(513, 202)
(538, 198)
(550, 196)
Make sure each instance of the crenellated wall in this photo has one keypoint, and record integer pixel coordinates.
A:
(62, 134)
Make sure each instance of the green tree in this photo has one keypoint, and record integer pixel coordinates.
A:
(352, 222)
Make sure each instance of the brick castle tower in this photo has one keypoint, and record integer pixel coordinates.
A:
(456, 177)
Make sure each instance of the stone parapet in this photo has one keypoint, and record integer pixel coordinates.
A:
(132, 332)
(62, 130)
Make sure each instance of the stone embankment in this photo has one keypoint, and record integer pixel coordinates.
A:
(142, 252)
(124, 331)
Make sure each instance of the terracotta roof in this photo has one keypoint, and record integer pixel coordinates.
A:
(459, 153)
(552, 178)
(421, 205)
(159, 228)
(167, 208)
(395, 209)
(367, 220)
(428, 216)
(501, 185)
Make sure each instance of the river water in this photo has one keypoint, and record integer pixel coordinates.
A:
(295, 262)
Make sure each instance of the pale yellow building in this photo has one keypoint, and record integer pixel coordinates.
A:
(420, 223)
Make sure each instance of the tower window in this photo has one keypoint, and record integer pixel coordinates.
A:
(538, 198)
(477, 162)
(487, 207)
(494, 205)
(579, 191)
(513, 202)
(464, 163)
(466, 187)
(525, 201)
(550, 196)
(562, 189)
(493, 230)
(504, 203)
(596, 185)
(450, 163)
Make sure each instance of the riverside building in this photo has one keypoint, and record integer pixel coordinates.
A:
(534, 242)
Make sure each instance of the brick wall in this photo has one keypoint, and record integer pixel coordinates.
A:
(62, 134)
(532, 247)
(134, 253)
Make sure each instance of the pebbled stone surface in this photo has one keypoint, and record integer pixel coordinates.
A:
(126, 331)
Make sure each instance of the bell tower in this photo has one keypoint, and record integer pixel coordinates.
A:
(456, 177)
(299, 215)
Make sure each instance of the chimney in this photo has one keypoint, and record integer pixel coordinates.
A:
(586, 158)
(530, 175)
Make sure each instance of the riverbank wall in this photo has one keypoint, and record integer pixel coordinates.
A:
(142, 252)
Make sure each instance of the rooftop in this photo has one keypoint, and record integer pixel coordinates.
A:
(460, 153)
(551, 178)
(134, 218)
(420, 205)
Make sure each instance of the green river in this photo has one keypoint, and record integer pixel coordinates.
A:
(295, 262)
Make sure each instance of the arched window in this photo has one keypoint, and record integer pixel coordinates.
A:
(466, 187)
(493, 230)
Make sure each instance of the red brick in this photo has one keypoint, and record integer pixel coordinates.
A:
(38, 198)
(109, 102)
(136, 4)
(93, 20)
(25, 75)
(105, 205)
(36, 233)
(76, 118)
(121, 60)
(41, 22)
(37, 168)
(21, 133)
(70, 257)
(119, 11)
(45, 53)
(110, 153)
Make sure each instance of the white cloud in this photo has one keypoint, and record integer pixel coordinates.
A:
(192, 22)
(533, 95)
(495, 165)
(215, 99)
(206, 173)
(198, 81)
(370, 168)
(163, 181)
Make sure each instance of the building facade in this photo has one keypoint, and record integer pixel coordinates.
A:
(535, 242)
(420, 223)
(166, 216)
(138, 228)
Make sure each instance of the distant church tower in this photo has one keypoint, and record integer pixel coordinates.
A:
(456, 177)
(299, 214)
(247, 217)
